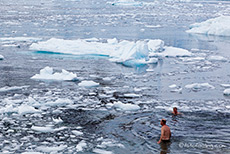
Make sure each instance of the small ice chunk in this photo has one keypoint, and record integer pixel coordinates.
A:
(26, 109)
(199, 86)
(47, 74)
(107, 78)
(88, 84)
(1, 57)
(32, 152)
(173, 86)
(132, 95)
(5, 89)
(225, 85)
(227, 91)
(77, 133)
(57, 121)
(100, 151)
(127, 107)
(51, 149)
(59, 102)
(47, 129)
(217, 58)
(81, 145)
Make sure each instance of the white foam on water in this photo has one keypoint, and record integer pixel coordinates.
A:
(216, 26)
(47, 73)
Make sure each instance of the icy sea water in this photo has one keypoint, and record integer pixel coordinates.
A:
(67, 118)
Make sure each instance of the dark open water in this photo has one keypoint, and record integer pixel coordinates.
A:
(204, 125)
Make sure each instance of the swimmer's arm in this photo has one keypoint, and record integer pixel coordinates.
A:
(162, 132)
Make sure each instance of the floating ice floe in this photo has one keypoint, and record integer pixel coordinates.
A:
(131, 95)
(59, 102)
(175, 88)
(31, 152)
(26, 109)
(81, 145)
(126, 107)
(88, 84)
(58, 120)
(47, 129)
(216, 26)
(199, 86)
(126, 3)
(1, 57)
(7, 88)
(51, 149)
(77, 133)
(129, 53)
(225, 85)
(47, 74)
(227, 91)
(217, 58)
(19, 39)
(101, 151)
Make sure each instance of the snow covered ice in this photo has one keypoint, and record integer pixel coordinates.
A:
(126, 52)
(47, 74)
(215, 26)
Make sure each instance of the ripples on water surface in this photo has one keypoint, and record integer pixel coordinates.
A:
(83, 120)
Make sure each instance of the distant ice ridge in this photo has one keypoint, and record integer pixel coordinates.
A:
(126, 52)
(126, 3)
(47, 74)
(216, 26)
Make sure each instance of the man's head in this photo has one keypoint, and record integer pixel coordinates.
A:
(175, 109)
(163, 122)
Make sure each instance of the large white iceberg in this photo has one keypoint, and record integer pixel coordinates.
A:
(216, 26)
(125, 52)
(47, 74)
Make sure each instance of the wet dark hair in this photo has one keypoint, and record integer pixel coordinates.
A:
(164, 121)
(175, 108)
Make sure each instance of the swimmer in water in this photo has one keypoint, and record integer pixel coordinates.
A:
(175, 112)
(165, 132)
